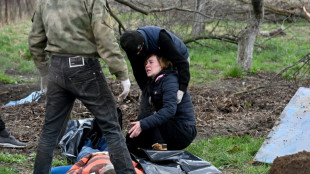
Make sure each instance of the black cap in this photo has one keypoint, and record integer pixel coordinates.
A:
(131, 41)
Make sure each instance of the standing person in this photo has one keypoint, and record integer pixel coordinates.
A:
(73, 35)
(7, 139)
(144, 41)
(172, 124)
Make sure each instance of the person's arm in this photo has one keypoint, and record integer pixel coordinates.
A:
(170, 52)
(170, 87)
(107, 46)
(37, 41)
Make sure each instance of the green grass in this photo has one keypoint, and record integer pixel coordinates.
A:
(12, 158)
(14, 52)
(7, 79)
(230, 151)
(60, 161)
(213, 60)
(8, 170)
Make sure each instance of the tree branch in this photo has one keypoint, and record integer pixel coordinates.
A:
(147, 12)
(284, 12)
(259, 87)
(121, 26)
(305, 11)
(132, 6)
(305, 58)
(4, 92)
(179, 9)
(217, 37)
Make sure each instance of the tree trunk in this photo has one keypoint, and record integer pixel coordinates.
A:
(19, 9)
(0, 12)
(28, 6)
(248, 35)
(6, 12)
(13, 10)
(198, 27)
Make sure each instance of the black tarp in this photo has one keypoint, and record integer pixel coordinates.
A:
(152, 161)
(74, 135)
(173, 161)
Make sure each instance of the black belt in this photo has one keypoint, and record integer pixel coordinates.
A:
(74, 61)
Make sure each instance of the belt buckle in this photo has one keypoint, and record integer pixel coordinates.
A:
(76, 61)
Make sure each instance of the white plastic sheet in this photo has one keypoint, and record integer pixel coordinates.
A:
(291, 133)
(34, 96)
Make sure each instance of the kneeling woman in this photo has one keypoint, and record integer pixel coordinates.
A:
(171, 123)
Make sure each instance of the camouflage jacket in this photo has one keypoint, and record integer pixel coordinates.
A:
(74, 27)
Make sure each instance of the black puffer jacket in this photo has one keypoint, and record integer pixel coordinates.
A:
(163, 91)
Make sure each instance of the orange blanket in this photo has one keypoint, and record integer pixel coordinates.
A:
(96, 163)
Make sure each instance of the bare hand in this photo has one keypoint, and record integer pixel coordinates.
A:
(135, 129)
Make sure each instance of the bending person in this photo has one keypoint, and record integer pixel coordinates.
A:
(172, 124)
(141, 43)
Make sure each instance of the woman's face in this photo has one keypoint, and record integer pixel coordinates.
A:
(152, 66)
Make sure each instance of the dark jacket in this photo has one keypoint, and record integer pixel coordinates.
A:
(163, 91)
(161, 42)
(151, 37)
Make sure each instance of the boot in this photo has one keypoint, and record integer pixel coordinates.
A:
(157, 146)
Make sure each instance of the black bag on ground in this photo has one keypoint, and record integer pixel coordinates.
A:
(173, 161)
(76, 132)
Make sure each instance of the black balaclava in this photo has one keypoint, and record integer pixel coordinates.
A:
(132, 41)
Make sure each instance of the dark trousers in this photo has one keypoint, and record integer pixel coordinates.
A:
(2, 124)
(175, 134)
(86, 83)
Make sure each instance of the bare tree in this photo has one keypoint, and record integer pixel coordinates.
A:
(6, 12)
(19, 8)
(29, 6)
(248, 35)
(0, 12)
(198, 27)
(10, 10)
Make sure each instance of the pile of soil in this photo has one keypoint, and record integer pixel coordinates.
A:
(291, 164)
(232, 106)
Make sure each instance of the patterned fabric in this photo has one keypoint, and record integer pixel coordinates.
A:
(75, 28)
(97, 163)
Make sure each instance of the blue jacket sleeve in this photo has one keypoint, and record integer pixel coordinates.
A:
(170, 87)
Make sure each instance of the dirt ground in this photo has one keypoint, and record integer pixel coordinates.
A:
(291, 164)
(244, 106)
